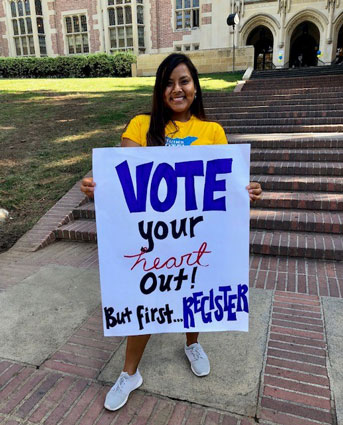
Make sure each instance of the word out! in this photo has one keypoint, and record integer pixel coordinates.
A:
(150, 282)
(215, 307)
(136, 200)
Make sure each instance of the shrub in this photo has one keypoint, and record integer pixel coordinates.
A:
(81, 66)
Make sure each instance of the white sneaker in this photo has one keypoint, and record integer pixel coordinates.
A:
(119, 393)
(200, 364)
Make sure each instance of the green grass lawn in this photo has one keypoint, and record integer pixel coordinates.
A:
(48, 128)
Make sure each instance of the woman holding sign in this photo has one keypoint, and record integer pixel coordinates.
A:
(177, 119)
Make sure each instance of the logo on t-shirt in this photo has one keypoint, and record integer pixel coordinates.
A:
(187, 141)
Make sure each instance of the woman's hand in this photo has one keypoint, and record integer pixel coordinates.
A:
(255, 191)
(87, 187)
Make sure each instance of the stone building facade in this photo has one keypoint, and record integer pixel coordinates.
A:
(282, 32)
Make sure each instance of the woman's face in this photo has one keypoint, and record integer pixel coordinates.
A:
(179, 93)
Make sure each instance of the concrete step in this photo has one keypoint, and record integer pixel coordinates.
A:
(301, 200)
(296, 220)
(297, 168)
(297, 244)
(299, 183)
(317, 155)
(267, 129)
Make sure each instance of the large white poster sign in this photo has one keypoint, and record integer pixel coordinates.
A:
(173, 238)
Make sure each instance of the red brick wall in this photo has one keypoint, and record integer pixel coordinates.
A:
(162, 34)
(206, 20)
(69, 6)
(4, 49)
(206, 8)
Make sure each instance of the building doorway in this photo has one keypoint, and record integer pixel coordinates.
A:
(305, 42)
(339, 51)
(262, 39)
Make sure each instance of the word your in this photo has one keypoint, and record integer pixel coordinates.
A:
(136, 200)
(213, 307)
(190, 259)
(161, 229)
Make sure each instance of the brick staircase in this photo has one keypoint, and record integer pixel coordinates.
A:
(301, 212)
(306, 105)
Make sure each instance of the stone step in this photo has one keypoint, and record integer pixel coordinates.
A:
(273, 115)
(297, 244)
(301, 200)
(296, 220)
(267, 129)
(317, 155)
(268, 242)
(296, 168)
(300, 183)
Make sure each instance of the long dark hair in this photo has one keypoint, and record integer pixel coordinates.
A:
(160, 114)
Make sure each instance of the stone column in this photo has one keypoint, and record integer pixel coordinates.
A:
(283, 8)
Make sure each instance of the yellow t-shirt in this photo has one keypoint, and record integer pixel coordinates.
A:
(192, 132)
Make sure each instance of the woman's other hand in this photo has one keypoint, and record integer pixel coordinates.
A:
(255, 191)
(87, 187)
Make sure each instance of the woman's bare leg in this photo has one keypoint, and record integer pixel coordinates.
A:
(191, 338)
(135, 346)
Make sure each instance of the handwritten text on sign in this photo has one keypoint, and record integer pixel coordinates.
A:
(173, 238)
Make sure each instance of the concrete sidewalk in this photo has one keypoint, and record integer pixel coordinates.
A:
(56, 367)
